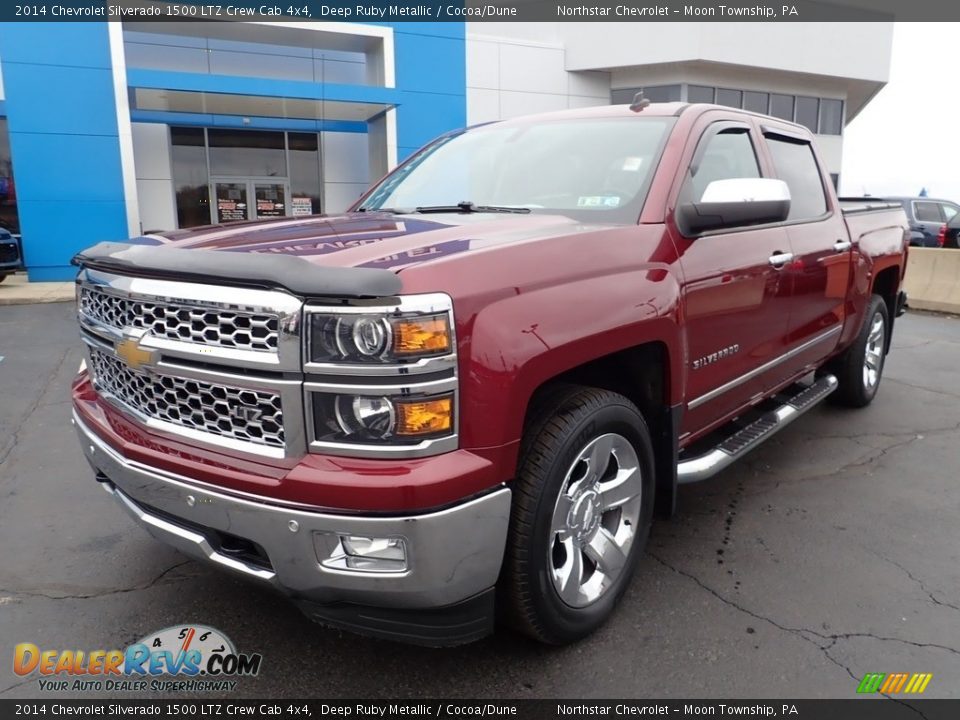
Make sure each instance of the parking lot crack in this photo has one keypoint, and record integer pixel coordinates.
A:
(929, 593)
(822, 641)
(16, 685)
(938, 391)
(105, 593)
(810, 636)
(14, 436)
(885, 638)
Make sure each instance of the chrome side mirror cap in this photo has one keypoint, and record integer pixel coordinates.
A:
(735, 202)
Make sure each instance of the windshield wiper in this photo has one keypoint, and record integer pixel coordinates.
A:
(466, 206)
(392, 211)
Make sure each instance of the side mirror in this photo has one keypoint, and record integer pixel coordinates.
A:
(736, 202)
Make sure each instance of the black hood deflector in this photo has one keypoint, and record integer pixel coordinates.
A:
(294, 274)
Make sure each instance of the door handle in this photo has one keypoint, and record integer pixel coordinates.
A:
(779, 259)
(841, 246)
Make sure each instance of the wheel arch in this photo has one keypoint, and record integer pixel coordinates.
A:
(641, 373)
(886, 284)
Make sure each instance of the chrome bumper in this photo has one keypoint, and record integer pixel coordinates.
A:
(453, 554)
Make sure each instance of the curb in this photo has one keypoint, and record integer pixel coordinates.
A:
(16, 290)
(4, 301)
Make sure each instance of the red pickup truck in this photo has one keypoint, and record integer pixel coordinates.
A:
(466, 398)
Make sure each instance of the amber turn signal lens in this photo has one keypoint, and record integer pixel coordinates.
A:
(424, 417)
(421, 336)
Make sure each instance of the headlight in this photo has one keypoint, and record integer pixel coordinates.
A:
(381, 379)
(400, 420)
(378, 338)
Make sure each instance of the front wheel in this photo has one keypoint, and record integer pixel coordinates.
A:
(860, 368)
(583, 505)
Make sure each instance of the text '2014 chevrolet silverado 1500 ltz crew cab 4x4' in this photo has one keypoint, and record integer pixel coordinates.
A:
(466, 398)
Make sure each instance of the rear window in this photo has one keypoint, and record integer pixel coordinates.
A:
(796, 165)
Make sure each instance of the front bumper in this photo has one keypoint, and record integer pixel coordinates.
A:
(454, 554)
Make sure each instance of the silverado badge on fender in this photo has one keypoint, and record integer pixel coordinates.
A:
(714, 356)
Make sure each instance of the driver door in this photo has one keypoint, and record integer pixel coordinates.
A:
(736, 291)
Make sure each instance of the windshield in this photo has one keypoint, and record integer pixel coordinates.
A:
(591, 169)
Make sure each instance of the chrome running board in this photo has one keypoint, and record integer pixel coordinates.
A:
(747, 438)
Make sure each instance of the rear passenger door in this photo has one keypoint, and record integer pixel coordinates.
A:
(822, 252)
(928, 219)
(735, 298)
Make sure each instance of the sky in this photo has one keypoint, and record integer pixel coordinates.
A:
(906, 137)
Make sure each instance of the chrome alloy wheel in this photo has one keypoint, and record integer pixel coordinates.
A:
(595, 520)
(873, 354)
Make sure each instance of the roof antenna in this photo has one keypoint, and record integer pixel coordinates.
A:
(639, 102)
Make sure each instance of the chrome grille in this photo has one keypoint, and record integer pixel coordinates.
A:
(184, 323)
(248, 415)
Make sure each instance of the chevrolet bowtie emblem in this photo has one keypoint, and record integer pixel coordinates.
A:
(132, 354)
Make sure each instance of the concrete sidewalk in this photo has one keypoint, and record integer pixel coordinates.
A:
(15, 290)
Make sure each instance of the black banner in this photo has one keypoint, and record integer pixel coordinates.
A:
(877, 708)
(485, 10)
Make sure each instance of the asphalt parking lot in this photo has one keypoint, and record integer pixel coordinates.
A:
(832, 551)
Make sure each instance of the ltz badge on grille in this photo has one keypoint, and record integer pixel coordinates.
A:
(135, 356)
(247, 413)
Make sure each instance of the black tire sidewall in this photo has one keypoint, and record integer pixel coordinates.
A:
(562, 622)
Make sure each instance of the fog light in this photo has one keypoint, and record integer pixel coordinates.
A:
(364, 554)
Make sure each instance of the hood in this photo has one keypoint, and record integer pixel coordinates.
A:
(372, 239)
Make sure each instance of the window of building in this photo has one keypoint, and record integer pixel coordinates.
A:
(730, 98)
(781, 106)
(831, 116)
(657, 93)
(820, 115)
(247, 152)
(757, 102)
(304, 154)
(796, 165)
(191, 183)
(808, 112)
(728, 154)
(700, 94)
(221, 56)
(255, 174)
(9, 218)
(927, 212)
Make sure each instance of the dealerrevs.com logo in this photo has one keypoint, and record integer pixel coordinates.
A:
(183, 658)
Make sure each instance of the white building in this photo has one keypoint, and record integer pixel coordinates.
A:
(818, 74)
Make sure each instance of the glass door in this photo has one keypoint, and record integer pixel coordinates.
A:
(230, 201)
(249, 199)
(271, 199)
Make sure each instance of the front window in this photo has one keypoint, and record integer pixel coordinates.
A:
(591, 169)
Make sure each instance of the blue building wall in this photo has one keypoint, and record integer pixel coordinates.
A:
(64, 141)
(431, 69)
(64, 133)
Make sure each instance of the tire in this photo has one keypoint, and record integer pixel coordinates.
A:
(558, 586)
(859, 369)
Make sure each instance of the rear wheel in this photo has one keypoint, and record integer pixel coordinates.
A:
(582, 510)
(860, 368)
